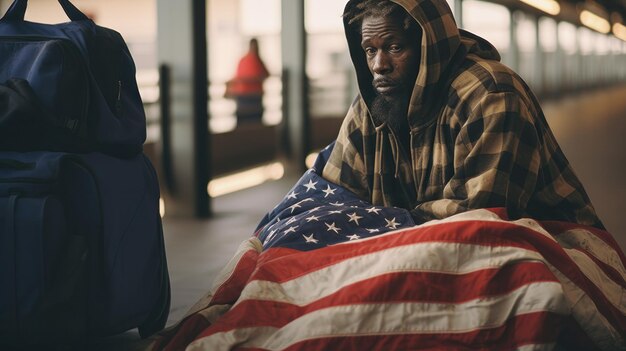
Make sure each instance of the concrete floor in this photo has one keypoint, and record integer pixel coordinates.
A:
(590, 127)
(198, 249)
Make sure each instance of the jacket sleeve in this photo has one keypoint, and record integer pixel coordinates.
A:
(496, 160)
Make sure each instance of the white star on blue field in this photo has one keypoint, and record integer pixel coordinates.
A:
(316, 213)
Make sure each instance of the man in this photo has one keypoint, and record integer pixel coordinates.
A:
(441, 126)
(247, 85)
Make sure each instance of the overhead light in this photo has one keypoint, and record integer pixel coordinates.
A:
(619, 30)
(246, 179)
(595, 17)
(548, 6)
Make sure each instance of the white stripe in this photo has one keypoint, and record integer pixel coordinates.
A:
(452, 258)
(251, 244)
(474, 215)
(614, 292)
(397, 318)
(583, 239)
(586, 314)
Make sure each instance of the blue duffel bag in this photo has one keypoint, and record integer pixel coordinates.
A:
(82, 75)
(81, 248)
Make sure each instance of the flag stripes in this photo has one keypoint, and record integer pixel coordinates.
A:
(319, 275)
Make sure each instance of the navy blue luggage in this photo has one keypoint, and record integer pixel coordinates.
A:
(83, 77)
(81, 244)
(81, 248)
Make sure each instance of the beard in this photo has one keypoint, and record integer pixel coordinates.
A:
(392, 110)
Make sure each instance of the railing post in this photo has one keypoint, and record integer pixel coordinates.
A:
(188, 111)
(284, 125)
(165, 112)
(202, 135)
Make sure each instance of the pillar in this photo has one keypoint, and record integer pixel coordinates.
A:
(559, 61)
(458, 12)
(513, 43)
(538, 62)
(182, 46)
(295, 88)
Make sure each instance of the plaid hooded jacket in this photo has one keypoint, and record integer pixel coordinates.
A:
(478, 136)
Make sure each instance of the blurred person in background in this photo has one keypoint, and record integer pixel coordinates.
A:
(441, 126)
(247, 85)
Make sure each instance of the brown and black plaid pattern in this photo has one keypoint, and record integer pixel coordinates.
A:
(478, 137)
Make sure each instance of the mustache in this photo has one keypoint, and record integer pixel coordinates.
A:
(384, 82)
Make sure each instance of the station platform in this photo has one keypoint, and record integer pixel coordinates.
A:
(590, 128)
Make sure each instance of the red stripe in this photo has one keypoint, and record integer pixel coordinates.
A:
(477, 232)
(500, 212)
(182, 335)
(534, 328)
(402, 287)
(229, 291)
(492, 234)
(558, 258)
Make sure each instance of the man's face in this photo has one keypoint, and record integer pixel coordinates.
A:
(392, 56)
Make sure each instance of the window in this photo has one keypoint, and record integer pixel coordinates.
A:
(329, 68)
(496, 30)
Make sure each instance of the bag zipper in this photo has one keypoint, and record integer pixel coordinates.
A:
(118, 103)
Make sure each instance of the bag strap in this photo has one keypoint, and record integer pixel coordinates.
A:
(17, 10)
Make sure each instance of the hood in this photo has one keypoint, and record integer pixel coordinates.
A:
(443, 48)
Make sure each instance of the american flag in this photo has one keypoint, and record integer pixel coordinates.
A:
(316, 213)
(318, 276)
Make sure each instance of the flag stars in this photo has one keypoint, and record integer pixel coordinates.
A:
(270, 236)
(291, 230)
(391, 224)
(310, 239)
(312, 218)
(373, 210)
(332, 227)
(294, 207)
(291, 220)
(276, 221)
(329, 191)
(373, 231)
(292, 195)
(353, 237)
(337, 203)
(354, 218)
(310, 185)
(335, 212)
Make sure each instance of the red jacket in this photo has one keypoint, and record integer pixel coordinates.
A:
(248, 80)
